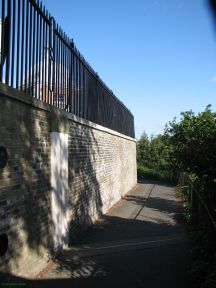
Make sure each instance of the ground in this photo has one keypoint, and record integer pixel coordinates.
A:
(139, 243)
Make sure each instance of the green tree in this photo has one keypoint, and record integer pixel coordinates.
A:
(193, 143)
(143, 150)
(152, 156)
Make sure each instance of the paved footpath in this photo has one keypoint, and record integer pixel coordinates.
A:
(138, 243)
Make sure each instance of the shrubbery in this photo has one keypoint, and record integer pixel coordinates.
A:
(153, 158)
(188, 145)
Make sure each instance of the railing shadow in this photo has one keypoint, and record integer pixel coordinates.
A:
(27, 188)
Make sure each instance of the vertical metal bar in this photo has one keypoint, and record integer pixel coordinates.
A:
(105, 104)
(58, 68)
(22, 47)
(13, 42)
(30, 50)
(81, 90)
(100, 105)
(54, 58)
(74, 83)
(46, 61)
(63, 71)
(69, 79)
(66, 75)
(39, 51)
(55, 65)
(26, 50)
(71, 75)
(62, 67)
(33, 55)
(63, 80)
(107, 108)
(92, 112)
(90, 96)
(43, 58)
(84, 89)
(87, 93)
(36, 54)
(2, 40)
(76, 86)
(8, 44)
(49, 61)
(84, 95)
(18, 44)
(80, 87)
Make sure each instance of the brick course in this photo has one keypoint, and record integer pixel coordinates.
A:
(101, 169)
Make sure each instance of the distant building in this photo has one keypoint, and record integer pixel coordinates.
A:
(37, 83)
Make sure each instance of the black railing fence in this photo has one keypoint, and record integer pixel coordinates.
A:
(203, 209)
(38, 58)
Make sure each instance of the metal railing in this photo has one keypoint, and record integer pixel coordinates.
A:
(37, 57)
(201, 210)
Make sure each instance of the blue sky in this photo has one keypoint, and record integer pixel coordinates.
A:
(157, 56)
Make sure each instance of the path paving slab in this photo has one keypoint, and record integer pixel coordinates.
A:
(138, 243)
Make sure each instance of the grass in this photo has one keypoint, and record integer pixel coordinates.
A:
(144, 172)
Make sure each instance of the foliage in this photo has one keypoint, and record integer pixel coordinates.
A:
(153, 157)
(187, 208)
(203, 257)
(193, 143)
(146, 173)
(188, 145)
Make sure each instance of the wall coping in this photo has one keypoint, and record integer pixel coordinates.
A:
(20, 96)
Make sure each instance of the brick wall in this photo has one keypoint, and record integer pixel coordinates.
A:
(101, 169)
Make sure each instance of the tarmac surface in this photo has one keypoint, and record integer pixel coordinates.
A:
(139, 243)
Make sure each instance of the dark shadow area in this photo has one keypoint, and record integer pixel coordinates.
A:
(110, 228)
(156, 203)
(25, 199)
(25, 186)
(84, 188)
(163, 266)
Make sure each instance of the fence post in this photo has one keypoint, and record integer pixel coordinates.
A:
(51, 69)
(195, 207)
(71, 94)
(2, 36)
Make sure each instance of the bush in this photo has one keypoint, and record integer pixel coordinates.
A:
(144, 172)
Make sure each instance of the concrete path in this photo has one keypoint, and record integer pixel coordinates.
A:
(138, 243)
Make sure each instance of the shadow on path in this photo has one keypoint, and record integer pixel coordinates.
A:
(153, 264)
